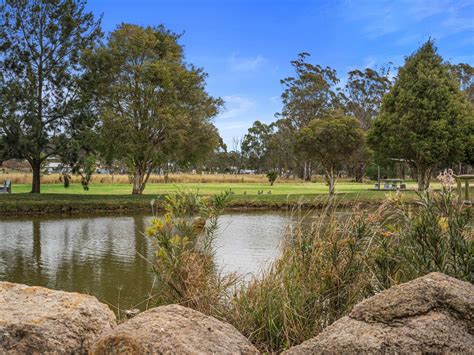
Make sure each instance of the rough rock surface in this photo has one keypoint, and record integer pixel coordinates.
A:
(434, 313)
(173, 329)
(40, 320)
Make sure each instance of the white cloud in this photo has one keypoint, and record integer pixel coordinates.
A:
(246, 64)
(233, 126)
(275, 99)
(370, 62)
(383, 17)
(236, 106)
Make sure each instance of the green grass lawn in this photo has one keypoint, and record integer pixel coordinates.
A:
(117, 197)
(206, 188)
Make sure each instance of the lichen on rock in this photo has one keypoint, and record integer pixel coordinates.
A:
(173, 329)
(431, 314)
(39, 320)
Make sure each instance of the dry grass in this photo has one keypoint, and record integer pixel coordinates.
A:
(26, 178)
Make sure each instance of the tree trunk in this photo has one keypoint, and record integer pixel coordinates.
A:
(36, 167)
(306, 171)
(140, 178)
(423, 177)
(138, 181)
(359, 171)
(330, 180)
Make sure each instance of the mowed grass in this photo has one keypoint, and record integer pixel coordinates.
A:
(54, 198)
(208, 188)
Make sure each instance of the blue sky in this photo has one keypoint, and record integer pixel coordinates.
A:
(246, 45)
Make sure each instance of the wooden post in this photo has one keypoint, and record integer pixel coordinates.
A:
(378, 175)
(466, 193)
(458, 180)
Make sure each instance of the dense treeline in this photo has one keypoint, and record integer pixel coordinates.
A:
(416, 122)
(131, 103)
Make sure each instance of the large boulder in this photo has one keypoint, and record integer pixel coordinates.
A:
(173, 329)
(434, 313)
(40, 320)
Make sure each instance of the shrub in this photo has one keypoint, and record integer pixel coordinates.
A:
(184, 264)
(434, 234)
(324, 269)
(272, 176)
(317, 279)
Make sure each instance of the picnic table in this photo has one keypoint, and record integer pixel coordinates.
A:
(7, 187)
(390, 184)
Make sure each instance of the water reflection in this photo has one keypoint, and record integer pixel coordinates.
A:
(107, 256)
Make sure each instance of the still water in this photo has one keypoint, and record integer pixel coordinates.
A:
(102, 255)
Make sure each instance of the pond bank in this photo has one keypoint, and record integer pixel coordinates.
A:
(44, 204)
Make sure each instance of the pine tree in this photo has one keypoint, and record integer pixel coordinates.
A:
(425, 118)
(41, 42)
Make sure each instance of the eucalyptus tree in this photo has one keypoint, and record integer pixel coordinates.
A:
(310, 94)
(151, 102)
(41, 104)
(333, 141)
(363, 92)
(255, 144)
(425, 119)
(465, 74)
(361, 98)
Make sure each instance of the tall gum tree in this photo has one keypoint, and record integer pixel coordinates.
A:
(309, 95)
(151, 102)
(425, 119)
(361, 98)
(40, 95)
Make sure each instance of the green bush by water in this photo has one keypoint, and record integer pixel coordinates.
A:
(324, 269)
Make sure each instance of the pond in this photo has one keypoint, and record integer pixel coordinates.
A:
(106, 255)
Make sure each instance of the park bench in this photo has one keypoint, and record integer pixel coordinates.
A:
(7, 187)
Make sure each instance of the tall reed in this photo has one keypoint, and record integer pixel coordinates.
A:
(332, 264)
(326, 266)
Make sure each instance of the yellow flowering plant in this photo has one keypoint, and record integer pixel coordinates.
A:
(184, 250)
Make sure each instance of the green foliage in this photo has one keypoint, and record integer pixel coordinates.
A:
(465, 75)
(424, 119)
(331, 141)
(66, 180)
(319, 276)
(363, 93)
(153, 105)
(183, 240)
(85, 168)
(310, 94)
(272, 176)
(410, 241)
(42, 101)
(255, 144)
(332, 264)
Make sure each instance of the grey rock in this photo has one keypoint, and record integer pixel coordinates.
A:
(173, 330)
(39, 320)
(432, 314)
